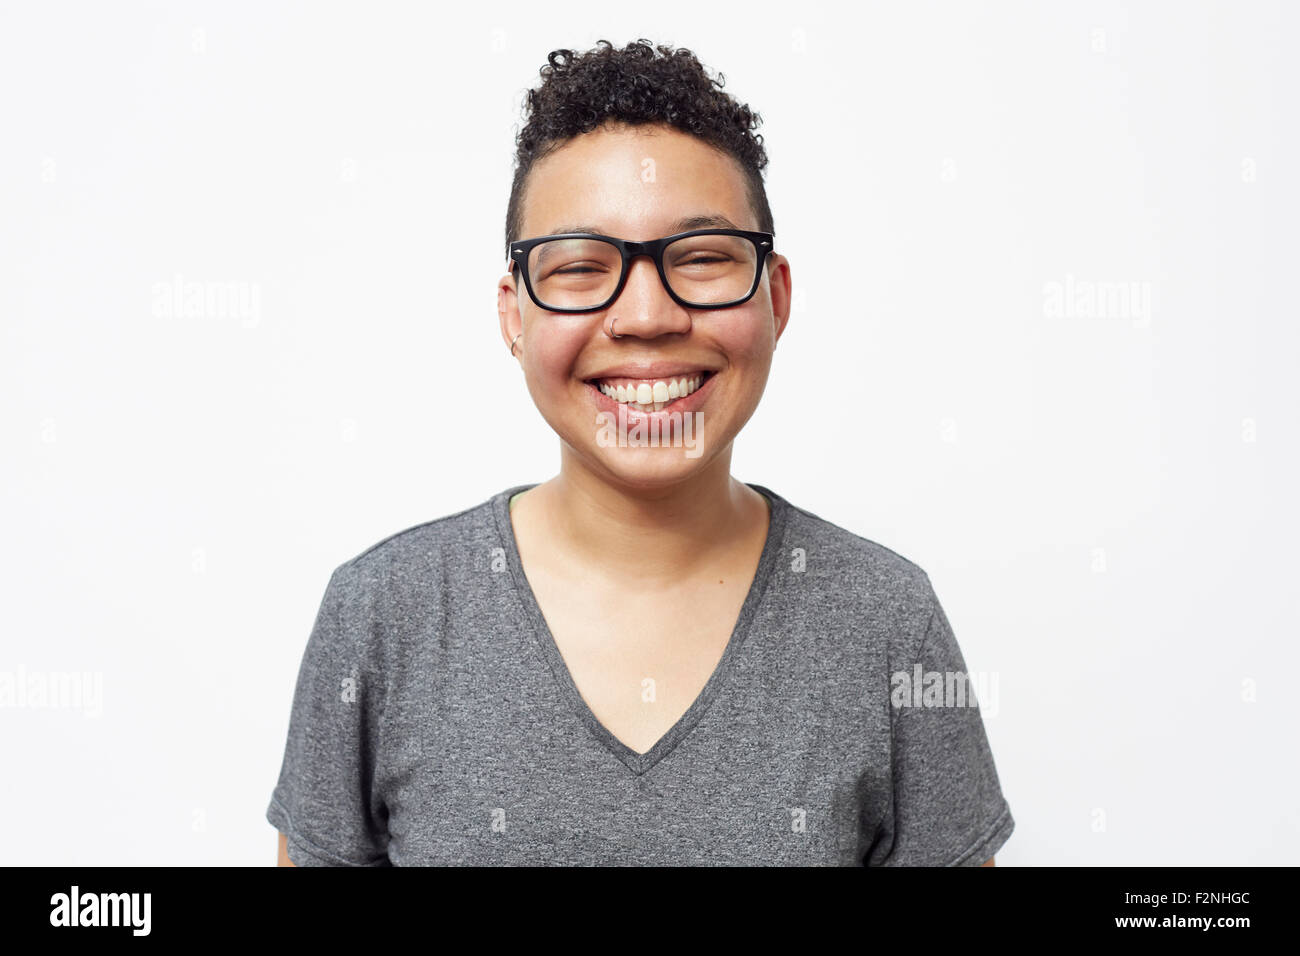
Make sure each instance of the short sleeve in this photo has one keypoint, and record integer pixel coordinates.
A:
(324, 801)
(948, 808)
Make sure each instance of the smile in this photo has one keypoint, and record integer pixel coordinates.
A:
(650, 395)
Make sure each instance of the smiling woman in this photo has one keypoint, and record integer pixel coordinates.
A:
(641, 660)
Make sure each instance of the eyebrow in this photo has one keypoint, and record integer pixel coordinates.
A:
(682, 225)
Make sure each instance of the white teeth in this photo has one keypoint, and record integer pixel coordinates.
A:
(652, 397)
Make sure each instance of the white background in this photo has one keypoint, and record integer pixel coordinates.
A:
(1104, 501)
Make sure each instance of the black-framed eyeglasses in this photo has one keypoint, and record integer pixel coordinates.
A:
(578, 272)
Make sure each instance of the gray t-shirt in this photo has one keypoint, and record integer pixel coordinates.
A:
(435, 722)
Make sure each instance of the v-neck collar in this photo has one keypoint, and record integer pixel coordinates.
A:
(639, 763)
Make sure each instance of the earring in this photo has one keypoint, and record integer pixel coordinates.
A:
(512, 343)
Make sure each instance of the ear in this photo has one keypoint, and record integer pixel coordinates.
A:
(512, 324)
(779, 289)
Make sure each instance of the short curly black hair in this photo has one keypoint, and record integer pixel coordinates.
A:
(639, 84)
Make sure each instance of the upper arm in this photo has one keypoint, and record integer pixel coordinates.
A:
(283, 858)
(327, 795)
(948, 808)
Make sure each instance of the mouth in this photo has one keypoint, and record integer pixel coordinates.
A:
(681, 392)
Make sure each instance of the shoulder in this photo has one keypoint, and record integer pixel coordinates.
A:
(839, 577)
(437, 539)
(396, 601)
(412, 571)
(835, 554)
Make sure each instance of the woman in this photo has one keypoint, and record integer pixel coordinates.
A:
(641, 660)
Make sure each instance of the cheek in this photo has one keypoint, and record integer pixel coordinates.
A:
(746, 338)
(553, 351)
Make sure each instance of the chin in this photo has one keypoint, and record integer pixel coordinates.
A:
(650, 468)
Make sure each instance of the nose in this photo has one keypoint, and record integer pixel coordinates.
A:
(644, 308)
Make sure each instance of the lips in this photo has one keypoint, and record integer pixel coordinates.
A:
(650, 394)
(636, 387)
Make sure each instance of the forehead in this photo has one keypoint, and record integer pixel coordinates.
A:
(633, 182)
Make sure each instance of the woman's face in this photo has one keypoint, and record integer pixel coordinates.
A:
(643, 183)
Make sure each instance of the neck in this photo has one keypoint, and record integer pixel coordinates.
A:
(655, 535)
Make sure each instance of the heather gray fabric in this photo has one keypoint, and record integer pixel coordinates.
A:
(434, 721)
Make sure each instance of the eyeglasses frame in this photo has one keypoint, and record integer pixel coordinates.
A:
(654, 248)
